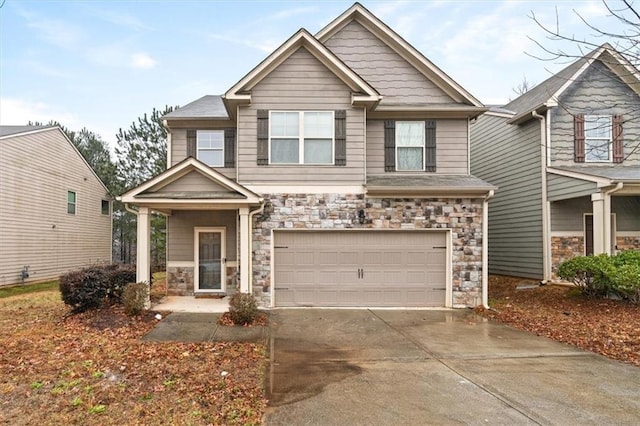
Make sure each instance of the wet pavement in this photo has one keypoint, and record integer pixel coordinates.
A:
(390, 367)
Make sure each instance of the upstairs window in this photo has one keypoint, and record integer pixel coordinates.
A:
(301, 137)
(105, 207)
(71, 202)
(210, 147)
(409, 145)
(597, 138)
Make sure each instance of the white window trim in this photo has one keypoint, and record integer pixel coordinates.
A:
(424, 147)
(301, 138)
(198, 149)
(609, 140)
(75, 203)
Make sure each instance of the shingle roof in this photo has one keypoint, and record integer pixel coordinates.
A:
(14, 130)
(613, 172)
(429, 181)
(208, 106)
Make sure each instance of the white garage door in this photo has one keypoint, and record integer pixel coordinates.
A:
(360, 268)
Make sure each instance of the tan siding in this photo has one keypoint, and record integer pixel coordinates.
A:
(179, 145)
(397, 80)
(192, 182)
(451, 147)
(36, 171)
(180, 228)
(300, 83)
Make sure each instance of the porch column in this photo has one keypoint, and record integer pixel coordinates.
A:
(143, 246)
(245, 251)
(599, 217)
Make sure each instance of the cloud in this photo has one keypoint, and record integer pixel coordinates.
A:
(142, 61)
(54, 31)
(122, 19)
(15, 111)
(288, 13)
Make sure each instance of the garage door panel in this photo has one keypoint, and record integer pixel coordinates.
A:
(359, 268)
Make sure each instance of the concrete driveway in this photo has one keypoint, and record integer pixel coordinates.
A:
(386, 367)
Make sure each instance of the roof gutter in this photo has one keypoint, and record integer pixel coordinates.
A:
(485, 249)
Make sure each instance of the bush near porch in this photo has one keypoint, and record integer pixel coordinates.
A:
(604, 275)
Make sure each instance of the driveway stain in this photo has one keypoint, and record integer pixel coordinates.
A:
(301, 369)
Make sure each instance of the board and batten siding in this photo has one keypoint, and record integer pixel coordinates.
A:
(179, 143)
(451, 147)
(36, 171)
(598, 91)
(180, 244)
(563, 187)
(300, 83)
(508, 156)
(567, 215)
(390, 74)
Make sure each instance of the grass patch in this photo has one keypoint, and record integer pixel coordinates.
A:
(28, 288)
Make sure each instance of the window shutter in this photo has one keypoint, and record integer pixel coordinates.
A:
(230, 147)
(578, 138)
(191, 144)
(340, 125)
(389, 146)
(430, 145)
(263, 137)
(618, 142)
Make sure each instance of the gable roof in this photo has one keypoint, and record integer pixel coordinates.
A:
(546, 94)
(365, 18)
(240, 93)
(15, 130)
(208, 106)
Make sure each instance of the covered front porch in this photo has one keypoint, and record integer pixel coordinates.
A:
(208, 231)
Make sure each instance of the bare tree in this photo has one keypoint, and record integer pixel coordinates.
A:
(523, 87)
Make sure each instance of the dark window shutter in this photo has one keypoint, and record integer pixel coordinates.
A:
(263, 137)
(618, 142)
(230, 147)
(430, 145)
(192, 144)
(341, 137)
(389, 146)
(578, 138)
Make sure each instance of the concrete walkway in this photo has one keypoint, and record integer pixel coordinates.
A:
(191, 304)
(385, 367)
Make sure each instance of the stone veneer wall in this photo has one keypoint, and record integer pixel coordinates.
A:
(338, 211)
(628, 243)
(180, 280)
(565, 248)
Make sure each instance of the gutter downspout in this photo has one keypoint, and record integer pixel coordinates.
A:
(485, 249)
(546, 240)
(607, 216)
(251, 214)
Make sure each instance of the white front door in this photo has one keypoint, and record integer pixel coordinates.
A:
(210, 260)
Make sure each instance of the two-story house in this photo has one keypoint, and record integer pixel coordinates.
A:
(566, 156)
(335, 173)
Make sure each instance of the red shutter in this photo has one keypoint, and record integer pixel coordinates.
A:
(578, 138)
(618, 143)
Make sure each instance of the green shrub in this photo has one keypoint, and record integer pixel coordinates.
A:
(243, 308)
(626, 257)
(589, 273)
(134, 298)
(89, 288)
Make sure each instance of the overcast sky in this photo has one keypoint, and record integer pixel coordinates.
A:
(101, 64)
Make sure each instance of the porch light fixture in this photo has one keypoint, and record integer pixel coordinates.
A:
(361, 216)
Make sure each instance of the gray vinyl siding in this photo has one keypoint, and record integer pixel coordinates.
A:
(627, 210)
(192, 182)
(36, 171)
(567, 215)
(508, 156)
(451, 147)
(300, 83)
(391, 75)
(597, 91)
(563, 187)
(180, 224)
(179, 143)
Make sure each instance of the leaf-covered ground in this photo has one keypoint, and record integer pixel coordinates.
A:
(93, 369)
(608, 327)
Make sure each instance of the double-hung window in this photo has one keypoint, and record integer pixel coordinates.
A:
(71, 202)
(597, 138)
(301, 137)
(410, 138)
(210, 145)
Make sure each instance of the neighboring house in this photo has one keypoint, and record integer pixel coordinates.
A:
(335, 173)
(55, 213)
(566, 156)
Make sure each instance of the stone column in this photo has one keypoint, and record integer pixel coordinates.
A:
(245, 251)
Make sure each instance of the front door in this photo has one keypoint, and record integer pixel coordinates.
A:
(209, 255)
